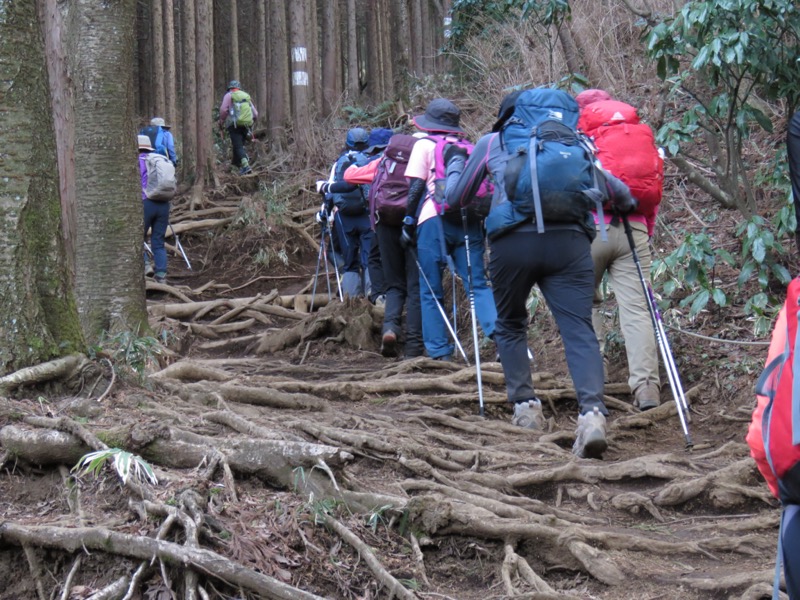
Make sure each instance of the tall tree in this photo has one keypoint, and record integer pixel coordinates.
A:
(157, 75)
(417, 49)
(331, 86)
(189, 91)
(38, 317)
(204, 91)
(279, 73)
(234, 36)
(352, 51)
(261, 59)
(300, 94)
(170, 85)
(109, 285)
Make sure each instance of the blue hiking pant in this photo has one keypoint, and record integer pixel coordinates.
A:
(156, 219)
(355, 239)
(560, 262)
(790, 538)
(438, 239)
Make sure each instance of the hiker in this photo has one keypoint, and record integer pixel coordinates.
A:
(161, 138)
(377, 142)
(238, 114)
(387, 206)
(793, 157)
(440, 240)
(626, 148)
(553, 252)
(156, 217)
(351, 217)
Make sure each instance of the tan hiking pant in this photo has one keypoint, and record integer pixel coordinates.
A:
(616, 258)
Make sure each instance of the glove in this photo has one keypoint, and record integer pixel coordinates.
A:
(621, 199)
(453, 150)
(323, 186)
(322, 216)
(407, 236)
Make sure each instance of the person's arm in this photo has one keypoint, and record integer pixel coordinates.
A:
(362, 174)
(143, 173)
(255, 111)
(224, 109)
(793, 157)
(170, 143)
(416, 192)
(464, 177)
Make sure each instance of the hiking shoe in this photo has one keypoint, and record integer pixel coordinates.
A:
(528, 414)
(590, 436)
(444, 358)
(389, 344)
(160, 278)
(148, 269)
(647, 396)
(245, 170)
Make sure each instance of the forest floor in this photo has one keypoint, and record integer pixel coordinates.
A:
(305, 459)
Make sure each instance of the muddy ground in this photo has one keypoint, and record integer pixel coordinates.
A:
(312, 460)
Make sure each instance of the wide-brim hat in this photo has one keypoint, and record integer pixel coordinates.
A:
(144, 143)
(158, 122)
(441, 115)
(506, 110)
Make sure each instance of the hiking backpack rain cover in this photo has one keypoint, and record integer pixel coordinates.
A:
(161, 182)
(388, 195)
(550, 174)
(774, 433)
(627, 149)
(241, 111)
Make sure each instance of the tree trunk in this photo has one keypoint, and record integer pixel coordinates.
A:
(205, 87)
(189, 92)
(385, 29)
(109, 285)
(399, 48)
(170, 85)
(262, 75)
(417, 49)
(352, 52)
(38, 319)
(144, 62)
(53, 26)
(312, 57)
(330, 58)
(279, 72)
(234, 35)
(157, 74)
(373, 80)
(427, 38)
(300, 96)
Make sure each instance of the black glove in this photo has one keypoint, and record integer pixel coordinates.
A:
(453, 150)
(408, 236)
(622, 202)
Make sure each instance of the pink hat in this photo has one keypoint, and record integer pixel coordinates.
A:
(587, 97)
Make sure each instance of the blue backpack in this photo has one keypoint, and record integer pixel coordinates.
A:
(550, 175)
(350, 204)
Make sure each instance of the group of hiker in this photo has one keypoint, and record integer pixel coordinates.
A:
(539, 189)
(157, 162)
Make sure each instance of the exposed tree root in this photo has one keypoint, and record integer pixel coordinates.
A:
(61, 368)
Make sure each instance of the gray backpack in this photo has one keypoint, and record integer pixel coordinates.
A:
(161, 182)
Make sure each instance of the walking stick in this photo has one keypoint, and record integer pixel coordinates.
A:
(335, 265)
(471, 293)
(439, 306)
(662, 341)
(316, 272)
(180, 247)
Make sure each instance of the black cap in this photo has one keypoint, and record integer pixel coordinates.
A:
(506, 110)
(440, 116)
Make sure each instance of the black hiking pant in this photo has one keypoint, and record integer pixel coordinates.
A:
(560, 262)
(238, 137)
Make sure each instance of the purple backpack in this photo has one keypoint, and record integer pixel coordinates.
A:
(388, 194)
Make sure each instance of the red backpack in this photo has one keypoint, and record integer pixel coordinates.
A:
(774, 432)
(627, 149)
(479, 207)
(388, 194)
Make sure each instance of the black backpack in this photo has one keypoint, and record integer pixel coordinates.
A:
(350, 204)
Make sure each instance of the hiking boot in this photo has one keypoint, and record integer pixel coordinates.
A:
(528, 414)
(160, 278)
(590, 436)
(647, 396)
(444, 358)
(148, 269)
(389, 344)
(245, 170)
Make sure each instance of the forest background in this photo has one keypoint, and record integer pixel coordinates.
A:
(717, 81)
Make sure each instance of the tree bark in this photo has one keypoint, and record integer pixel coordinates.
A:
(352, 52)
(417, 50)
(400, 47)
(109, 286)
(189, 92)
(157, 74)
(279, 71)
(330, 58)
(300, 93)
(38, 319)
(204, 90)
(170, 84)
(262, 76)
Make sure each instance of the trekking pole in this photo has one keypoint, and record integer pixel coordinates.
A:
(471, 293)
(661, 340)
(335, 265)
(440, 307)
(180, 247)
(316, 273)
